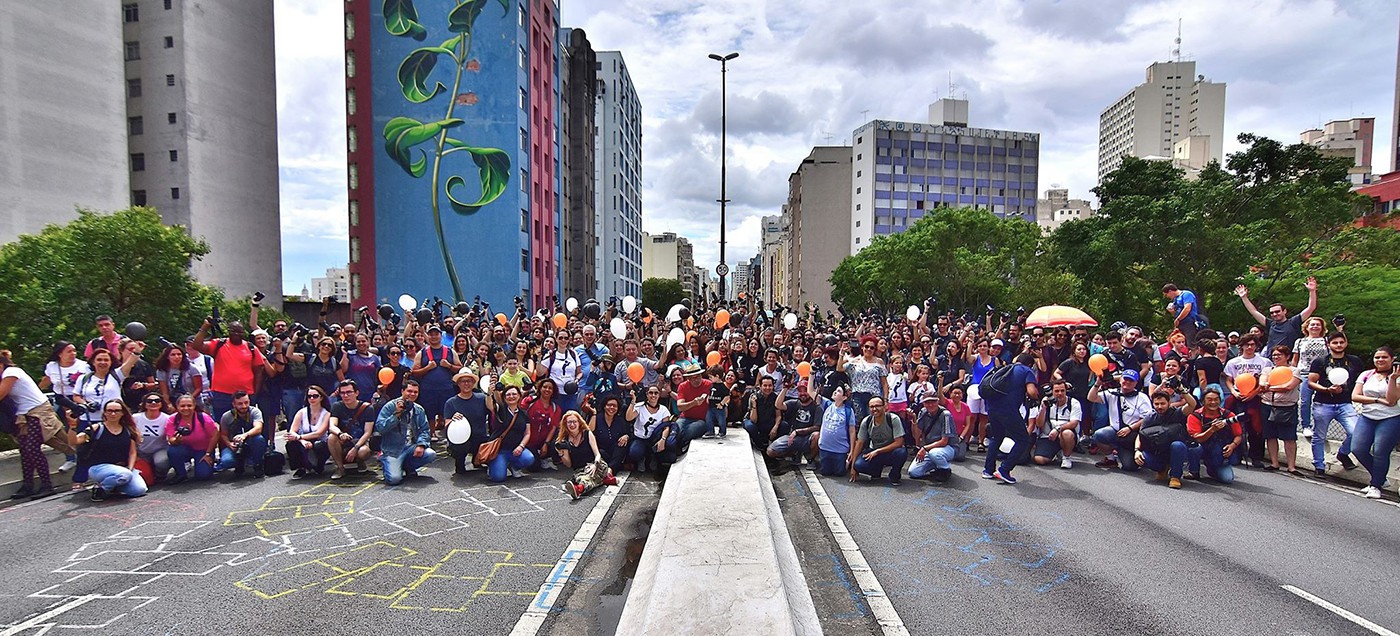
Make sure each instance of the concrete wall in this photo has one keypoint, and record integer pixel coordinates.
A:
(62, 114)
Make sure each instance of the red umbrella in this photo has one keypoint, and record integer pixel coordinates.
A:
(1059, 316)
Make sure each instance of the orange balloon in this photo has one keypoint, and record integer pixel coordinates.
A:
(386, 376)
(721, 319)
(1246, 383)
(690, 322)
(501, 318)
(804, 369)
(560, 320)
(1097, 363)
(689, 336)
(635, 372)
(712, 359)
(1280, 376)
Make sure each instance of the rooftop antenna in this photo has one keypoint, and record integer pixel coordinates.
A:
(863, 114)
(1176, 49)
(828, 137)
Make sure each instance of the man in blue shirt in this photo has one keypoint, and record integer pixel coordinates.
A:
(1186, 311)
(404, 442)
(1004, 418)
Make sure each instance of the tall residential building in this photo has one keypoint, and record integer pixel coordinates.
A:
(1394, 149)
(1057, 207)
(669, 256)
(62, 117)
(1148, 121)
(453, 173)
(755, 275)
(202, 132)
(336, 283)
(776, 287)
(618, 170)
(705, 284)
(578, 81)
(741, 281)
(901, 170)
(819, 205)
(1349, 138)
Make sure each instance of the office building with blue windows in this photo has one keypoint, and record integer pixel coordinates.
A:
(904, 170)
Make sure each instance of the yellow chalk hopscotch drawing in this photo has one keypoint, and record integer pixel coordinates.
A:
(322, 505)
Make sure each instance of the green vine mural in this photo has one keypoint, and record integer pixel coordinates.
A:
(403, 135)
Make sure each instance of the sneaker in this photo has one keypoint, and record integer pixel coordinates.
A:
(512, 472)
(987, 475)
(1308, 433)
(710, 435)
(570, 490)
(44, 491)
(1174, 483)
(941, 475)
(610, 480)
(1004, 478)
(361, 466)
(547, 464)
(578, 491)
(1188, 475)
(1320, 472)
(1371, 492)
(1066, 463)
(299, 473)
(339, 473)
(67, 466)
(99, 493)
(1346, 461)
(176, 480)
(895, 480)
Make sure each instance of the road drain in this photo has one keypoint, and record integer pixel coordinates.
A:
(614, 596)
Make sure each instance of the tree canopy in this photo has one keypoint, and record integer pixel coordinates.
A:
(661, 293)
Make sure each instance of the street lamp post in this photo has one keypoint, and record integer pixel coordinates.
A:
(723, 268)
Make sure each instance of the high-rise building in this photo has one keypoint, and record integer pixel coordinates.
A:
(1057, 207)
(1394, 149)
(65, 119)
(669, 256)
(777, 259)
(578, 81)
(202, 132)
(618, 161)
(819, 206)
(1148, 121)
(1351, 139)
(902, 170)
(741, 281)
(453, 157)
(335, 283)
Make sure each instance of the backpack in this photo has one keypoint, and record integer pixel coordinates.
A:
(997, 383)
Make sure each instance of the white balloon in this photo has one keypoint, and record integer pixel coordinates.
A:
(407, 303)
(674, 315)
(677, 336)
(912, 313)
(629, 304)
(618, 328)
(571, 304)
(1338, 376)
(790, 321)
(459, 431)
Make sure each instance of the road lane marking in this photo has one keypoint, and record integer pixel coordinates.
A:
(870, 588)
(534, 617)
(1339, 611)
(43, 618)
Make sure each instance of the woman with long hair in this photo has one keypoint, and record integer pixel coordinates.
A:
(868, 376)
(611, 428)
(512, 426)
(543, 415)
(1311, 346)
(1377, 400)
(981, 362)
(307, 447)
(176, 376)
(110, 447)
(153, 448)
(576, 447)
(191, 435)
(652, 423)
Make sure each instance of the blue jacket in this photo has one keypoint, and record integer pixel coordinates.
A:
(399, 434)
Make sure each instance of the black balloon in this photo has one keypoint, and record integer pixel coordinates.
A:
(685, 302)
(386, 312)
(592, 310)
(684, 313)
(570, 387)
(425, 316)
(135, 331)
(462, 308)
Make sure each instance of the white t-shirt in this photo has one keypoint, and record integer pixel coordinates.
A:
(647, 422)
(152, 432)
(65, 378)
(1374, 385)
(1126, 409)
(25, 391)
(95, 390)
(1058, 416)
(1258, 365)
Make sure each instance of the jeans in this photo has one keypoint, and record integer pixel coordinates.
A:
(254, 448)
(293, 400)
(1173, 461)
(159, 461)
(1373, 442)
(496, 470)
(396, 466)
(118, 479)
(219, 403)
(181, 455)
(1003, 425)
(1107, 436)
(1100, 414)
(1253, 425)
(860, 403)
(715, 420)
(1212, 453)
(939, 458)
(1305, 400)
(1323, 414)
(299, 457)
(894, 460)
(641, 450)
(758, 435)
(692, 429)
(832, 463)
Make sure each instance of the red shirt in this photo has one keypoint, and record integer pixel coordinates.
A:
(1196, 423)
(544, 417)
(688, 392)
(233, 366)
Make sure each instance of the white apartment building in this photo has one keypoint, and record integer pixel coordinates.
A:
(1149, 120)
(1348, 138)
(336, 283)
(618, 169)
(1057, 208)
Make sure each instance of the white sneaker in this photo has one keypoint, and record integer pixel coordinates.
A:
(1307, 433)
(547, 464)
(1066, 463)
(67, 466)
(1371, 492)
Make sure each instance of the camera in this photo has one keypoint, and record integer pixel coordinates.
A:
(1173, 383)
(258, 297)
(166, 344)
(1339, 320)
(216, 320)
(92, 407)
(183, 431)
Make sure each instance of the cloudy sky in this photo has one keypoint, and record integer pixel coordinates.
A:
(811, 71)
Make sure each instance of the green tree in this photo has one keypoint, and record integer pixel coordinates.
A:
(127, 264)
(660, 294)
(1367, 295)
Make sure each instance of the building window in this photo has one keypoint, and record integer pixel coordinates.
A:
(131, 13)
(354, 213)
(524, 59)
(170, 117)
(350, 101)
(133, 51)
(167, 5)
(133, 87)
(138, 197)
(174, 156)
(524, 100)
(349, 26)
(524, 220)
(525, 261)
(135, 125)
(354, 177)
(857, 223)
(169, 80)
(169, 42)
(857, 240)
(138, 162)
(524, 180)
(175, 193)
(354, 249)
(349, 63)
(858, 156)
(355, 285)
(352, 139)
(857, 189)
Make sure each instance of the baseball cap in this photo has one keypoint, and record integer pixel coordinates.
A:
(432, 328)
(1130, 374)
(996, 342)
(1234, 334)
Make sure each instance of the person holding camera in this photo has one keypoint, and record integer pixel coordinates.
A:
(109, 452)
(1057, 426)
(1377, 399)
(1162, 443)
(1219, 435)
(92, 390)
(405, 437)
(242, 443)
(1282, 328)
(1127, 408)
(238, 365)
(433, 370)
(651, 431)
(192, 437)
(1005, 418)
(879, 444)
(940, 443)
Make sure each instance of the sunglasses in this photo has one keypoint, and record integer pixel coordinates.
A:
(152, 402)
(313, 395)
(111, 410)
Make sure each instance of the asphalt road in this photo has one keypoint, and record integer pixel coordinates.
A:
(1091, 551)
(277, 555)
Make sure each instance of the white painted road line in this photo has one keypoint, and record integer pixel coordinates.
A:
(533, 618)
(1344, 613)
(44, 618)
(890, 622)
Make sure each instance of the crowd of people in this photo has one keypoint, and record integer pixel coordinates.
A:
(599, 388)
